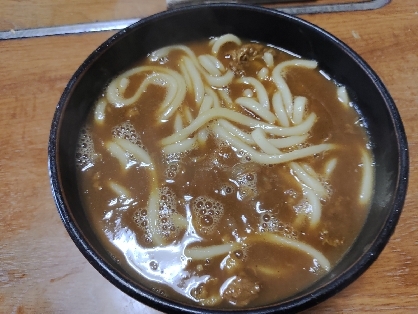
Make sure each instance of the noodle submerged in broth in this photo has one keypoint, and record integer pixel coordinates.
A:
(226, 173)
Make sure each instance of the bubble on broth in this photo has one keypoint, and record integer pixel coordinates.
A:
(85, 154)
(173, 164)
(127, 131)
(208, 213)
(247, 185)
(243, 156)
(268, 222)
(158, 291)
(172, 170)
(153, 265)
(227, 189)
(235, 261)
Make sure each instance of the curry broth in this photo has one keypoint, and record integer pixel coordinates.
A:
(246, 198)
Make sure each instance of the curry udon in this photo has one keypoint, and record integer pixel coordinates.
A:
(226, 172)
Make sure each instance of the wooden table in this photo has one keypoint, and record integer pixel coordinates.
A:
(41, 270)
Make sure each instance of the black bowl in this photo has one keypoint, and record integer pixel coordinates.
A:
(264, 25)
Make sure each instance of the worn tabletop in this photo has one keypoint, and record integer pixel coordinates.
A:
(42, 271)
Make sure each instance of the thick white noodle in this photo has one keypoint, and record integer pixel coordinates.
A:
(315, 205)
(163, 52)
(123, 84)
(198, 87)
(217, 63)
(119, 153)
(173, 81)
(284, 91)
(329, 168)
(99, 111)
(256, 108)
(244, 136)
(210, 92)
(212, 41)
(299, 105)
(309, 170)
(178, 123)
(202, 136)
(186, 76)
(219, 42)
(206, 104)
(153, 212)
(281, 83)
(366, 188)
(179, 221)
(223, 93)
(188, 115)
(263, 74)
(163, 80)
(180, 147)
(268, 59)
(114, 90)
(216, 81)
(223, 113)
(120, 190)
(248, 93)
(116, 98)
(220, 81)
(310, 64)
(300, 129)
(204, 252)
(308, 180)
(262, 95)
(260, 138)
(139, 153)
(280, 110)
(343, 95)
(207, 63)
(288, 141)
(266, 158)
(168, 111)
(294, 244)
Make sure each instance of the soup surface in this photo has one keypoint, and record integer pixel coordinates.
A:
(225, 173)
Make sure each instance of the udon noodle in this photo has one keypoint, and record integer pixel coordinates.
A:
(214, 170)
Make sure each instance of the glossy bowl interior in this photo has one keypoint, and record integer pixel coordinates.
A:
(291, 33)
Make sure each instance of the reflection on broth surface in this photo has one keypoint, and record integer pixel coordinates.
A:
(226, 173)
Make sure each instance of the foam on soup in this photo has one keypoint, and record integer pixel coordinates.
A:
(226, 173)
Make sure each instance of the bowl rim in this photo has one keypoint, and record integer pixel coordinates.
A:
(289, 305)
